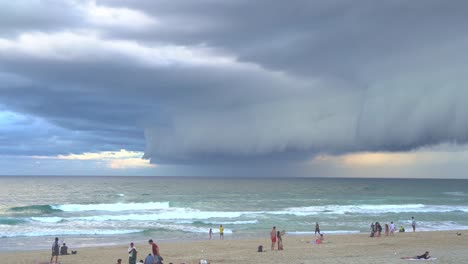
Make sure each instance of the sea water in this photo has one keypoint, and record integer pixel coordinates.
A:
(90, 211)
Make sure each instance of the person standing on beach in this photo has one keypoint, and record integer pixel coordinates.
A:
(392, 228)
(211, 233)
(413, 223)
(317, 228)
(55, 250)
(372, 228)
(387, 229)
(132, 254)
(221, 232)
(273, 238)
(155, 250)
(379, 228)
(280, 240)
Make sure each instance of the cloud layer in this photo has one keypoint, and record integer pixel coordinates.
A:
(233, 81)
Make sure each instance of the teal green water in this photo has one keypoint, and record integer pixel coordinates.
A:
(105, 210)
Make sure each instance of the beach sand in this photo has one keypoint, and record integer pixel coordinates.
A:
(351, 248)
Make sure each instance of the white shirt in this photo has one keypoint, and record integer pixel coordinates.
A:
(130, 251)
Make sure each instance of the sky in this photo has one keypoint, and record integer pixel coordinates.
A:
(324, 88)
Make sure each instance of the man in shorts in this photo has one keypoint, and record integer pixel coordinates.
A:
(413, 223)
(273, 238)
(221, 232)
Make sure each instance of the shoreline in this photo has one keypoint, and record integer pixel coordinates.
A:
(447, 246)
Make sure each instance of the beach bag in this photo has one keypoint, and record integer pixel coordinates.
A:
(260, 248)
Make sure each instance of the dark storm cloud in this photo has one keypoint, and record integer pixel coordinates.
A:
(241, 80)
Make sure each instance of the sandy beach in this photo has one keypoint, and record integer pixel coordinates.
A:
(446, 246)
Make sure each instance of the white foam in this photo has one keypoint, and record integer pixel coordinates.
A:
(247, 222)
(191, 229)
(51, 219)
(172, 214)
(115, 207)
(64, 232)
(455, 193)
(369, 209)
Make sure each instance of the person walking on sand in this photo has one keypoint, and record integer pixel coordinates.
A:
(211, 233)
(413, 223)
(273, 237)
(132, 254)
(317, 228)
(55, 251)
(221, 232)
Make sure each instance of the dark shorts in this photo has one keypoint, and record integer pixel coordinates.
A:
(54, 253)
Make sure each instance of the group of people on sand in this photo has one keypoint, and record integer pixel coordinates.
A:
(276, 238)
(153, 258)
(390, 229)
(221, 232)
(59, 250)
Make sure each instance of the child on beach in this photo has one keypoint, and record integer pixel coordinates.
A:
(210, 233)
(387, 229)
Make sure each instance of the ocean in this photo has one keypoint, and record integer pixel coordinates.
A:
(92, 211)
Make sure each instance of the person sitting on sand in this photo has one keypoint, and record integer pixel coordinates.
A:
(149, 259)
(319, 240)
(119, 261)
(402, 229)
(423, 256)
(64, 249)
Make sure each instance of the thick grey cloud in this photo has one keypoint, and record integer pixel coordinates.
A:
(243, 81)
